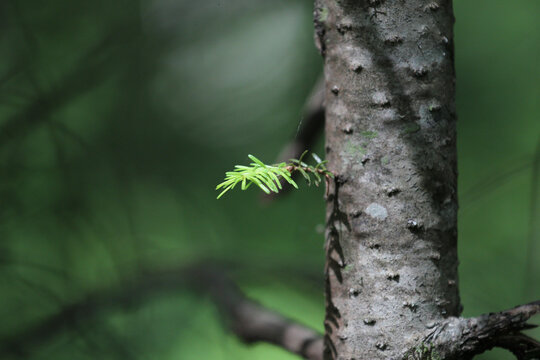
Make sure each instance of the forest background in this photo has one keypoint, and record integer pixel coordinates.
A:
(118, 119)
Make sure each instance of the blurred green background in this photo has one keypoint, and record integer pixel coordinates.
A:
(118, 118)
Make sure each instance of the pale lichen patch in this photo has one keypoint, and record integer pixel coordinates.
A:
(377, 211)
(380, 98)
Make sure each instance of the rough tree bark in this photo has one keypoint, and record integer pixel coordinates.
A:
(391, 266)
(390, 135)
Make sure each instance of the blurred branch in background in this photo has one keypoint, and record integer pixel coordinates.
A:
(94, 67)
(309, 129)
(311, 124)
(247, 319)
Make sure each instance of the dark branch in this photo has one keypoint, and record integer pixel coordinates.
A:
(252, 322)
(502, 330)
(464, 338)
(310, 127)
(248, 320)
(521, 345)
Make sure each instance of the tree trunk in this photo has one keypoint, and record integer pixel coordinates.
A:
(391, 267)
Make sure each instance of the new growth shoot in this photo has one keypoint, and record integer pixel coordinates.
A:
(268, 177)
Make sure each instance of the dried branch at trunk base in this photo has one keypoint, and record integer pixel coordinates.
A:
(463, 338)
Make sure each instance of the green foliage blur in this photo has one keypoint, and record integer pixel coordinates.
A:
(118, 119)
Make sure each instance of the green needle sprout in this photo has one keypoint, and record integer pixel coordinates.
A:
(268, 177)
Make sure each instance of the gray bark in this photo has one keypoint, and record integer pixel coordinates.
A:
(391, 241)
(391, 271)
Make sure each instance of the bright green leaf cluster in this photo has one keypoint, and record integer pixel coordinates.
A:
(268, 177)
